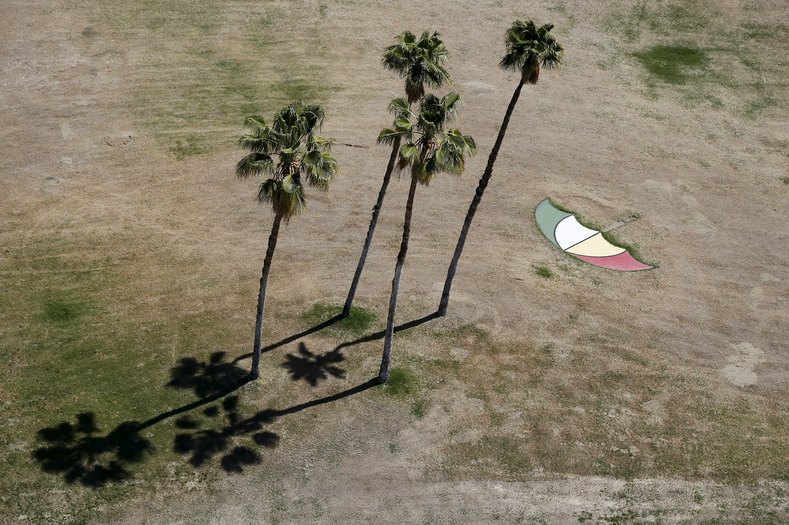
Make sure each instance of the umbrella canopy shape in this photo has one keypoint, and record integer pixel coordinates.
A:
(586, 244)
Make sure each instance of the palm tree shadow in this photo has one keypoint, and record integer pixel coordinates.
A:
(81, 454)
(325, 324)
(295, 337)
(203, 444)
(314, 368)
(207, 378)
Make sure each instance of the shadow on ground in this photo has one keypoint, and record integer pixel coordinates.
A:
(203, 444)
(314, 368)
(78, 451)
(81, 455)
(206, 378)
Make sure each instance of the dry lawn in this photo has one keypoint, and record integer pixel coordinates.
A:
(575, 395)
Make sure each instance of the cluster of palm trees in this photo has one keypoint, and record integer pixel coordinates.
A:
(292, 154)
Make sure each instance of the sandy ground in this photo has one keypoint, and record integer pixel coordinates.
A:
(704, 179)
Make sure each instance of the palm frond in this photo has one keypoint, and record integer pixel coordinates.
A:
(400, 108)
(286, 196)
(321, 143)
(451, 102)
(319, 168)
(313, 116)
(254, 164)
(288, 149)
(255, 122)
(389, 135)
(407, 155)
(396, 57)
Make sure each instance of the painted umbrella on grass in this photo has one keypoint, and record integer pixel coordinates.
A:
(586, 244)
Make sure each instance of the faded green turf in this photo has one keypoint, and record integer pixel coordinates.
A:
(548, 216)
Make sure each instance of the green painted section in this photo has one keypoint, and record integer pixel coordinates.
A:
(548, 217)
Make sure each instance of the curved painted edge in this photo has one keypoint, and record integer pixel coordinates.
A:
(595, 246)
(622, 262)
(547, 217)
(570, 232)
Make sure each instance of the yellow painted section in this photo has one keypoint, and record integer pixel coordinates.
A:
(595, 246)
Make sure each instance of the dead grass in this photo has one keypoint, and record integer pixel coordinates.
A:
(142, 256)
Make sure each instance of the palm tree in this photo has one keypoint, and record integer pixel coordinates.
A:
(419, 62)
(528, 49)
(430, 149)
(292, 154)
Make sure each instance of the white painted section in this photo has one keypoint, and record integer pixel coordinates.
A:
(570, 232)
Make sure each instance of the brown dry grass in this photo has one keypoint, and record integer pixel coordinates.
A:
(591, 394)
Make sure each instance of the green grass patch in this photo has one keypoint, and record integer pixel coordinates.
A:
(673, 64)
(75, 341)
(543, 271)
(724, 65)
(656, 18)
(358, 321)
(63, 311)
(419, 408)
(402, 382)
(190, 145)
(785, 180)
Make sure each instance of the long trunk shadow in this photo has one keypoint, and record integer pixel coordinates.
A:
(328, 399)
(380, 334)
(364, 339)
(314, 368)
(195, 404)
(295, 337)
(203, 444)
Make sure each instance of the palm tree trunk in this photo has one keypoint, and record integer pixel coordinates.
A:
(483, 183)
(383, 375)
(254, 372)
(371, 230)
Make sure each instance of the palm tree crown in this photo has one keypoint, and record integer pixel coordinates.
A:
(401, 126)
(528, 48)
(430, 148)
(301, 156)
(419, 61)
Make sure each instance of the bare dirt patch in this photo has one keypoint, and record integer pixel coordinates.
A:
(590, 396)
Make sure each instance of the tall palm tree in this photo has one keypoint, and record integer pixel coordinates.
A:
(420, 62)
(528, 49)
(430, 149)
(292, 154)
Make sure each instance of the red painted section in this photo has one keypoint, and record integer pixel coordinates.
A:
(623, 261)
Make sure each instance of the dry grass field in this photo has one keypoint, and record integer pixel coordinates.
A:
(553, 392)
